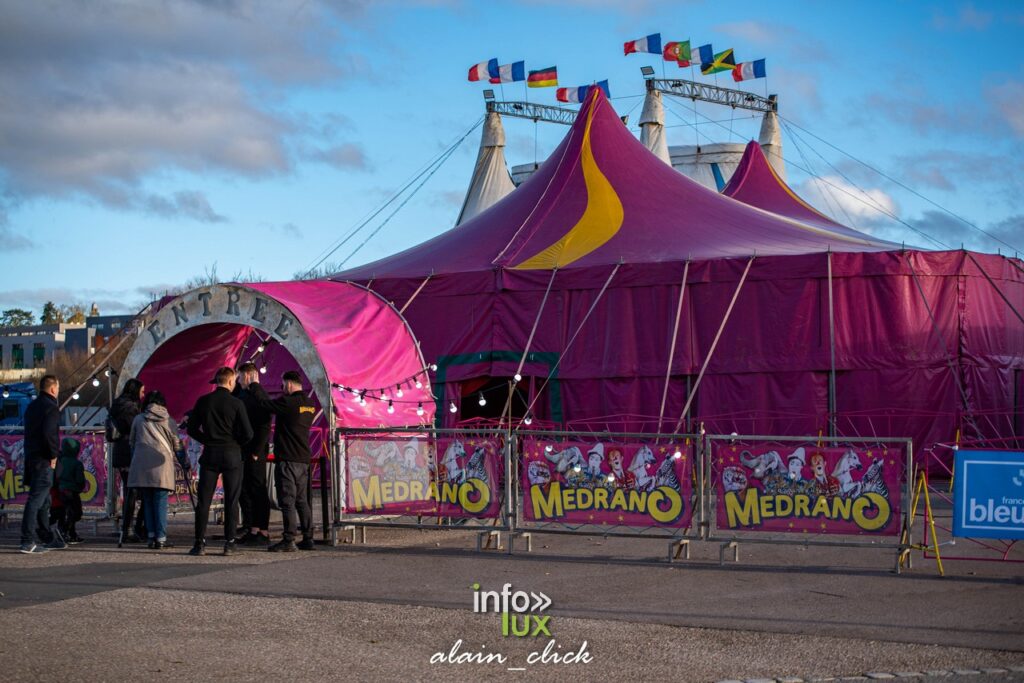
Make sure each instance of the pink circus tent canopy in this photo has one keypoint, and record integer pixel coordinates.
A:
(576, 277)
(339, 334)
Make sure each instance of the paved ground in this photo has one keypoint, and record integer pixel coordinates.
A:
(382, 611)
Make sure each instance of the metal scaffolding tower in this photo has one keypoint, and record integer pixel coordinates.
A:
(692, 90)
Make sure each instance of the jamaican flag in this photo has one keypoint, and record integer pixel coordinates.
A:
(723, 61)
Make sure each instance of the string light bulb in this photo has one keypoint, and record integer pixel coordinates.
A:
(678, 454)
(362, 398)
(611, 478)
(95, 382)
(517, 377)
(419, 384)
(75, 396)
(263, 370)
(548, 448)
(398, 391)
(106, 373)
(419, 409)
(261, 348)
(577, 468)
(482, 401)
(433, 367)
(6, 394)
(391, 408)
(452, 408)
(527, 420)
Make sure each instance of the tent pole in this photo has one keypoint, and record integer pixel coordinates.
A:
(415, 294)
(672, 349)
(526, 350)
(832, 349)
(579, 328)
(714, 344)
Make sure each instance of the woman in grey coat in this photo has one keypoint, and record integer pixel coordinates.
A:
(154, 443)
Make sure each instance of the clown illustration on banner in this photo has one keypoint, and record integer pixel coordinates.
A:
(420, 476)
(804, 489)
(12, 468)
(607, 483)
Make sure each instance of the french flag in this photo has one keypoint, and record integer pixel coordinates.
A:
(508, 73)
(746, 71)
(580, 94)
(651, 43)
(484, 70)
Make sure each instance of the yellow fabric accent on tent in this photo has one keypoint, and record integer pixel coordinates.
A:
(600, 222)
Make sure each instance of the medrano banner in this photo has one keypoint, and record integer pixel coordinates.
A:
(594, 482)
(452, 477)
(989, 497)
(12, 466)
(803, 489)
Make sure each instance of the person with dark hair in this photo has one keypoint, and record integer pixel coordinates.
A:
(294, 414)
(70, 474)
(42, 447)
(220, 423)
(255, 503)
(123, 412)
(155, 443)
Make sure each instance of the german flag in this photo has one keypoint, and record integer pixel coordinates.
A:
(723, 61)
(543, 78)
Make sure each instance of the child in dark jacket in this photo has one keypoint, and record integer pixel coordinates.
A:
(70, 483)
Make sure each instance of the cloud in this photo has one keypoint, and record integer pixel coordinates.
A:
(109, 300)
(288, 230)
(967, 18)
(909, 109)
(348, 155)
(9, 240)
(848, 204)
(796, 43)
(949, 169)
(112, 95)
(1001, 235)
(1008, 101)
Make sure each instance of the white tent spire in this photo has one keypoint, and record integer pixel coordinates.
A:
(770, 140)
(652, 126)
(490, 181)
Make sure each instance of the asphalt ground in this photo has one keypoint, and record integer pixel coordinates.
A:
(384, 610)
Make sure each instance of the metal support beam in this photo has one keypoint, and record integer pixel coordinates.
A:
(692, 90)
(533, 112)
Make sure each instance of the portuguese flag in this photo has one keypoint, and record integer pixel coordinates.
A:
(543, 78)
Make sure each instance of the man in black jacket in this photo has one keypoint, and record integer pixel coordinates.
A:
(42, 446)
(122, 413)
(255, 502)
(294, 416)
(220, 423)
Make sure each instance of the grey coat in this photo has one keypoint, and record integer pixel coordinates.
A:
(154, 441)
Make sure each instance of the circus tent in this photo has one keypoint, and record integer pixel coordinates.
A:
(625, 295)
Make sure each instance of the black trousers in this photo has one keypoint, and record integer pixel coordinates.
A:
(132, 500)
(254, 501)
(232, 477)
(291, 481)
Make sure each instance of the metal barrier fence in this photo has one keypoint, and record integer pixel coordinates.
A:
(728, 489)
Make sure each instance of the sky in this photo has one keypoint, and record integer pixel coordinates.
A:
(145, 143)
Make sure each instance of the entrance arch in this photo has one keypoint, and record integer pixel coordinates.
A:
(341, 336)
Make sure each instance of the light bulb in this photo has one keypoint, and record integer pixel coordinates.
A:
(106, 372)
(33, 397)
(7, 394)
(398, 391)
(419, 409)
(517, 377)
(433, 367)
(362, 400)
(75, 396)
(548, 448)
(355, 393)
(452, 408)
(678, 454)
(528, 421)
(482, 401)
(391, 407)
(611, 478)
(263, 370)
(261, 348)
(419, 384)
(577, 468)
(95, 382)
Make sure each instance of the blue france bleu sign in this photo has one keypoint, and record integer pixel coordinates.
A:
(988, 500)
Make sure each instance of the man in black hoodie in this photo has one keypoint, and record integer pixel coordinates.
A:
(220, 423)
(122, 414)
(42, 446)
(294, 414)
(255, 502)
